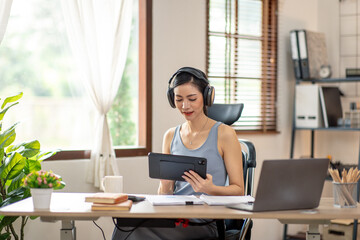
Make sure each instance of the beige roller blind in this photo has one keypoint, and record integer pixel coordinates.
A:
(242, 58)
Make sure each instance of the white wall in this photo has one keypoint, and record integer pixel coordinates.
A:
(179, 39)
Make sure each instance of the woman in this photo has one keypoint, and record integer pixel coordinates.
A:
(189, 91)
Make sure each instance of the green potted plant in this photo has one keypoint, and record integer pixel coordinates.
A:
(17, 161)
(41, 184)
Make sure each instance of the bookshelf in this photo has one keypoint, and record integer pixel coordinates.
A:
(313, 130)
(294, 128)
(330, 80)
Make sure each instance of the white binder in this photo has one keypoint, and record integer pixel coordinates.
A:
(307, 106)
(295, 53)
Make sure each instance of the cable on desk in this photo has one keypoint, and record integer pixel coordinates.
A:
(131, 230)
(102, 231)
(185, 223)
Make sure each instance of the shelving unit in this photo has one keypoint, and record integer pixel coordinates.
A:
(294, 129)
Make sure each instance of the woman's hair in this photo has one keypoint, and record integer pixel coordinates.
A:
(185, 77)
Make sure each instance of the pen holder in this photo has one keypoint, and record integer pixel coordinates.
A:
(345, 195)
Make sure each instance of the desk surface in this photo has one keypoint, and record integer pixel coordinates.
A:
(73, 206)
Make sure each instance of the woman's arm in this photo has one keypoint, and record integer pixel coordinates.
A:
(232, 155)
(230, 150)
(167, 186)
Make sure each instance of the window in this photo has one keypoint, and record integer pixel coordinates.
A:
(242, 57)
(35, 58)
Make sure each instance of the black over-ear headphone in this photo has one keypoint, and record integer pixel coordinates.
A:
(209, 91)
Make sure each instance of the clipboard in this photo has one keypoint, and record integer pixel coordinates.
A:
(172, 167)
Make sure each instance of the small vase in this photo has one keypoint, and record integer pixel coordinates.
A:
(41, 197)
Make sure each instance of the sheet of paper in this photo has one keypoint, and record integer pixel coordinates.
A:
(166, 200)
(224, 200)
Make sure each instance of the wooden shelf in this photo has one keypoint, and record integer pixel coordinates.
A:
(330, 80)
(330, 128)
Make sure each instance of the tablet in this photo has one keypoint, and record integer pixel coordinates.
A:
(172, 167)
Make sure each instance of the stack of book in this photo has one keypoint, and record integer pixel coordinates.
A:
(109, 201)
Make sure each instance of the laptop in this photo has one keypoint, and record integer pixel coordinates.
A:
(288, 184)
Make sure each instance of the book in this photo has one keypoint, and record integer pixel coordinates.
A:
(225, 200)
(312, 53)
(123, 206)
(323, 109)
(168, 200)
(330, 98)
(107, 198)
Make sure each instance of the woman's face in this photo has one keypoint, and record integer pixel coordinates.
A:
(189, 100)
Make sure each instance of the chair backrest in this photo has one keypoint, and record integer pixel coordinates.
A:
(249, 164)
(226, 113)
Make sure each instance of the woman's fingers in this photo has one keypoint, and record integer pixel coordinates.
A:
(192, 180)
(198, 183)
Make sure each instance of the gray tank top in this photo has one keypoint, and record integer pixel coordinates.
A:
(209, 150)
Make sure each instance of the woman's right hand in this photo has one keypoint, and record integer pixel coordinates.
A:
(166, 187)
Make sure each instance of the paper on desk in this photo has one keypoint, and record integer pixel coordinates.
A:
(225, 200)
(168, 200)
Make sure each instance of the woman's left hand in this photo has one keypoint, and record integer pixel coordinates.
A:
(198, 183)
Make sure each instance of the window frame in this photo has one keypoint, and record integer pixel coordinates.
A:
(145, 93)
(269, 60)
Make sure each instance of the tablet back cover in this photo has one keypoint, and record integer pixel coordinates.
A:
(172, 167)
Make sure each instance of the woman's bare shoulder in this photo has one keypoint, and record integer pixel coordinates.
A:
(226, 131)
(168, 136)
(170, 132)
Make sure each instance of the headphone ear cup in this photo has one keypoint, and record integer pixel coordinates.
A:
(170, 95)
(209, 95)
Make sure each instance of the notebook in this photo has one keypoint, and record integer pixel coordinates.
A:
(288, 184)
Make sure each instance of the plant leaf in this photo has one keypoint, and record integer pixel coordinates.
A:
(45, 155)
(16, 195)
(27, 149)
(12, 99)
(2, 113)
(4, 236)
(7, 221)
(2, 154)
(8, 136)
(31, 166)
(62, 185)
(17, 182)
(13, 166)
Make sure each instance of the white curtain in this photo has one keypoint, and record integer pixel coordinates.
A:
(5, 7)
(99, 33)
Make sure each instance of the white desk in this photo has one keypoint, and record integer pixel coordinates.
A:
(69, 207)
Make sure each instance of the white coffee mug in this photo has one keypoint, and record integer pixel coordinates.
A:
(112, 184)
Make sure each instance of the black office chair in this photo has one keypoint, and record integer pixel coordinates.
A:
(226, 113)
(235, 228)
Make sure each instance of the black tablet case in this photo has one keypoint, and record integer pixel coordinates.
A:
(172, 167)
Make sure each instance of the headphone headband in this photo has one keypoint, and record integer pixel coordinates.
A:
(209, 91)
(193, 71)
